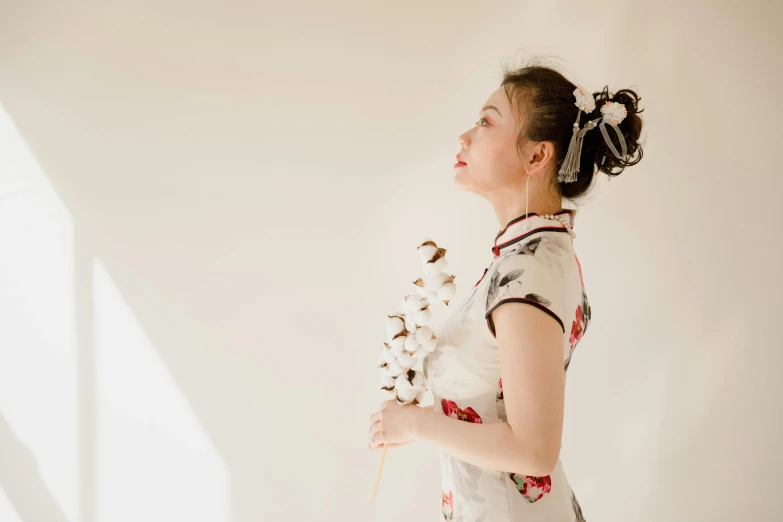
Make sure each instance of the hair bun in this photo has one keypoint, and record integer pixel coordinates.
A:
(630, 126)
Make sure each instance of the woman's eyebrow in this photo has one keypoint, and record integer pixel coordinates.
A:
(486, 107)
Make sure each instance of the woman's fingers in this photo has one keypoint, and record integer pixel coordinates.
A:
(375, 429)
(376, 438)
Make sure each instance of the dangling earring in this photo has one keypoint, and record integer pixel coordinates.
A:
(527, 191)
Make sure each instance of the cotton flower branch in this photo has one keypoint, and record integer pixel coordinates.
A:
(409, 339)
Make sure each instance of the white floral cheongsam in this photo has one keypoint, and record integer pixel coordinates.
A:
(539, 267)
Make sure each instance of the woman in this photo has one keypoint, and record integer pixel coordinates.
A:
(498, 374)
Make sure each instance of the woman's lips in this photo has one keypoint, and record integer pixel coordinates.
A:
(460, 164)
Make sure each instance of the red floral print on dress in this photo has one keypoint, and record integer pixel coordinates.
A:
(499, 396)
(447, 505)
(450, 409)
(532, 489)
(577, 328)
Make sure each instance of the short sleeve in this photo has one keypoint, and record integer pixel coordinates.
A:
(525, 277)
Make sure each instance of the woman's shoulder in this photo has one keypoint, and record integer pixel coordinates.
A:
(548, 253)
(541, 271)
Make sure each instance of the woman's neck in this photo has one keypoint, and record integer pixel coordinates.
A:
(507, 214)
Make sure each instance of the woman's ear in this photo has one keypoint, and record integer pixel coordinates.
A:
(540, 155)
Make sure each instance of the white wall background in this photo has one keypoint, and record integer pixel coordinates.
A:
(207, 209)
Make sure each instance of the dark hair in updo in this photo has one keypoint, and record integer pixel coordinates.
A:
(547, 100)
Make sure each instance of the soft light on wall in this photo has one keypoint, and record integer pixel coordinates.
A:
(92, 425)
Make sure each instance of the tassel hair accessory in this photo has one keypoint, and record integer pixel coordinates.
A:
(613, 113)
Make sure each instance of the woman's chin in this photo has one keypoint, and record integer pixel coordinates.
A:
(460, 182)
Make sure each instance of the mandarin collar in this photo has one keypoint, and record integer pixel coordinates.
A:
(514, 231)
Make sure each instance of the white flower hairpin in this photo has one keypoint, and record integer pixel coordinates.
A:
(613, 114)
(584, 101)
(409, 339)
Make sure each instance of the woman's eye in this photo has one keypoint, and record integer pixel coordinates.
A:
(482, 119)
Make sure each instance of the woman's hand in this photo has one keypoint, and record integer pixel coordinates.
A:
(393, 424)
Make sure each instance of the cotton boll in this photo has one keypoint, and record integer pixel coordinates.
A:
(411, 344)
(407, 396)
(422, 317)
(430, 345)
(405, 391)
(394, 368)
(430, 279)
(421, 396)
(447, 291)
(387, 355)
(397, 345)
(415, 302)
(387, 380)
(420, 289)
(410, 323)
(421, 352)
(394, 326)
(405, 360)
(441, 264)
(436, 280)
(433, 252)
(424, 334)
(429, 269)
(435, 267)
(388, 395)
(403, 402)
(402, 382)
(427, 250)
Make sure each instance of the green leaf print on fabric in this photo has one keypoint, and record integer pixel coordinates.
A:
(532, 489)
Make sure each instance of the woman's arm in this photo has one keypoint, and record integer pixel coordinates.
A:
(531, 365)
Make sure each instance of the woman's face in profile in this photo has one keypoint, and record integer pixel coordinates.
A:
(489, 149)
